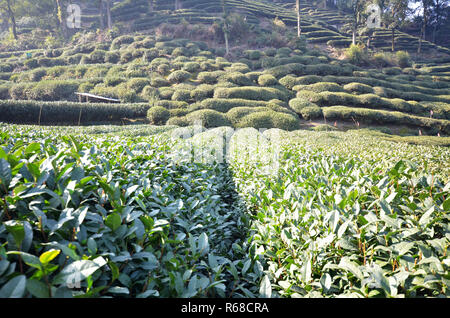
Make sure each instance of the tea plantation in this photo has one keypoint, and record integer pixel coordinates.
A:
(319, 168)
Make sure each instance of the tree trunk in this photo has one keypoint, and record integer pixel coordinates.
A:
(424, 27)
(102, 19)
(108, 14)
(227, 45)
(61, 20)
(354, 37)
(299, 28)
(369, 37)
(151, 5)
(393, 40)
(12, 19)
(177, 4)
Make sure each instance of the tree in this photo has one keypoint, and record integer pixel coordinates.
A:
(9, 6)
(151, 5)
(108, 14)
(439, 18)
(356, 9)
(225, 27)
(61, 17)
(395, 16)
(425, 6)
(177, 4)
(299, 29)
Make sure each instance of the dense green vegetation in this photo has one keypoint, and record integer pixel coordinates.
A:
(78, 220)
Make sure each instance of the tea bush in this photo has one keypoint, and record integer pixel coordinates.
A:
(179, 77)
(207, 118)
(267, 80)
(311, 112)
(253, 93)
(224, 104)
(158, 115)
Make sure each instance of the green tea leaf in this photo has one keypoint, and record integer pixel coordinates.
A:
(15, 288)
(48, 256)
(265, 289)
(113, 221)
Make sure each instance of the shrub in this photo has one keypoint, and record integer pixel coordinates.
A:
(224, 105)
(112, 57)
(37, 75)
(138, 84)
(191, 67)
(250, 92)
(27, 112)
(208, 118)
(179, 76)
(236, 114)
(297, 104)
(158, 115)
(124, 39)
(380, 60)
(126, 57)
(321, 87)
(178, 121)
(283, 70)
(202, 92)
(178, 112)
(392, 71)
(86, 87)
(113, 81)
(267, 80)
(209, 77)
(166, 92)
(403, 59)
(269, 119)
(172, 104)
(284, 51)
(150, 54)
(252, 54)
(4, 91)
(97, 56)
(270, 51)
(159, 82)
(30, 64)
(278, 106)
(181, 95)
(309, 96)
(236, 78)
(163, 69)
(355, 55)
(54, 91)
(238, 67)
(311, 112)
(358, 88)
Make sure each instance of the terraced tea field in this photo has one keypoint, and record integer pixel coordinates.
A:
(267, 88)
(110, 211)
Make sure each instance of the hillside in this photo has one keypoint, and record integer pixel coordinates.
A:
(269, 80)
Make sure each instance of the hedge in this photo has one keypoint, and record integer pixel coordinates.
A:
(385, 117)
(267, 80)
(27, 112)
(224, 105)
(208, 118)
(269, 119)
(236, 114)
(253, 93)
(158, 115)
